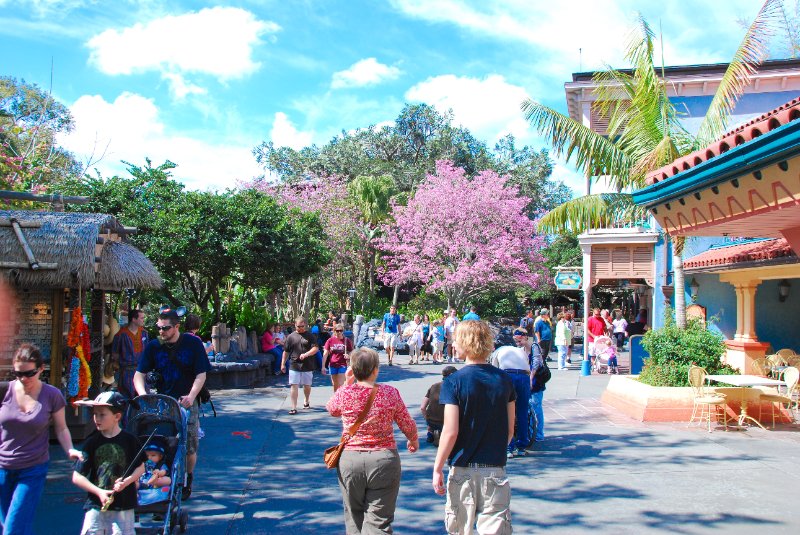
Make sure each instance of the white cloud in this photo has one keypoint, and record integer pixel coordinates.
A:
(180, 87)
(365, 72)
(217, 41)
(591, 34)
(489, 107)
(130, 128)
(286, 134)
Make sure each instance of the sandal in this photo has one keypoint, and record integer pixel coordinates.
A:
(293, 411)
(306, 406)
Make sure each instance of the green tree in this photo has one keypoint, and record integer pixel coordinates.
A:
(30, 120)
(203, 242)
(644, 133)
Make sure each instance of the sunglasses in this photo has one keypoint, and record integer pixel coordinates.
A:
(163, 328)
(338, 331)
(28, 373)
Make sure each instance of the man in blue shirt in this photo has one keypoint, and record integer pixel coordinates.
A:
(543, 332)
(471, 315)
(182, 364)
(479, 404)
(390, 328)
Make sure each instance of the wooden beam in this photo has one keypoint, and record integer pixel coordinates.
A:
(6, 222)
(34, 265)
(25, 196)
(57, 339)
(25, 265)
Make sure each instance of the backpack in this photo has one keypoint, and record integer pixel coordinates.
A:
(543, 373)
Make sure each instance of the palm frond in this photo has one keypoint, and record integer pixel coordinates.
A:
(751, 53)
(590, 212)
(590, 152)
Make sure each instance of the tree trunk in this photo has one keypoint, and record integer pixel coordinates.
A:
(678, 281)
(308, 289)
(396, 294)
(217, 304)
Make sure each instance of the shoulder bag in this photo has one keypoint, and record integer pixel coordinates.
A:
(332, 454)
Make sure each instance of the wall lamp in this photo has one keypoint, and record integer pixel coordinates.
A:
(694, 287)
(783, 290)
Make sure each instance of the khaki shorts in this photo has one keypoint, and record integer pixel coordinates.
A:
(478, 496)
(96, 522)
(389, 340)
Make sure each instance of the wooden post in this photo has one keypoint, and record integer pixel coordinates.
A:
(57, 339)
(97, 320)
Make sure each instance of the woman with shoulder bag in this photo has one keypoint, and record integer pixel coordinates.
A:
(369, 467)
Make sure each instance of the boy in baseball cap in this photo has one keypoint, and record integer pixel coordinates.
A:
(107, 454)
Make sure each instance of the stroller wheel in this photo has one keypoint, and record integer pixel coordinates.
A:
(183, 521)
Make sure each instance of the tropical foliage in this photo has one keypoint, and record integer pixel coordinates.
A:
(644, 131)
(673, 350)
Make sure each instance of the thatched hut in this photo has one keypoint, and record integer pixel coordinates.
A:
(56, 260)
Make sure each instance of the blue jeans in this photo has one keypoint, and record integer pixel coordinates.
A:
(562, 356)
(20, 492)
(536, 405)
(522, 385)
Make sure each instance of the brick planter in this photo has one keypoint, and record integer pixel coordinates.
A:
(675, 404)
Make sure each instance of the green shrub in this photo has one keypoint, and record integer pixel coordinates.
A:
(673, 350)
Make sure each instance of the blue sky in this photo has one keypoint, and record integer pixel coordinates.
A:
(202, 83)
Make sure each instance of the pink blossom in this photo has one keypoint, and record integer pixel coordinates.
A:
(463, 236)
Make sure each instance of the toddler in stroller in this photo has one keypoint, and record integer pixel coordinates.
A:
(154, 484)
(605, 356)
(163, 418)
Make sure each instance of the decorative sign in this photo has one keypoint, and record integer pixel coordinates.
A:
(568, 280)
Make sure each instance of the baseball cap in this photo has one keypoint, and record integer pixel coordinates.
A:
(112, 399)
(448, 370)
(155, 446)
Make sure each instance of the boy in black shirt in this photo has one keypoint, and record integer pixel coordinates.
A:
(107, 454)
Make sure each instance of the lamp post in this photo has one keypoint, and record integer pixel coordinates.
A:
(351, 296)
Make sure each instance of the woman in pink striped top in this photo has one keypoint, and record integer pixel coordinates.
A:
(369, 468)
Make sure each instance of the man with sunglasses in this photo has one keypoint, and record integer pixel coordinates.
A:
(182, 364)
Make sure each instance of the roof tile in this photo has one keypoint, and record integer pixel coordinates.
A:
(740, 253)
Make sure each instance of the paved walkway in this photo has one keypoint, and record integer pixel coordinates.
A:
(596, 470)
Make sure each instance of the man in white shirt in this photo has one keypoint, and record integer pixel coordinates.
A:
(514, 361)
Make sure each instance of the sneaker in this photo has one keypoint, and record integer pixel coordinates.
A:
(520, 453)
(510, 455)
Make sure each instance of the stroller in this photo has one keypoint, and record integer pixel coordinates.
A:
(605, 360)
(165, 416)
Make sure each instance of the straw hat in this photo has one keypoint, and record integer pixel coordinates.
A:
(110, 329)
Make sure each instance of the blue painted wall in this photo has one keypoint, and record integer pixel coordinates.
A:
(776, 322)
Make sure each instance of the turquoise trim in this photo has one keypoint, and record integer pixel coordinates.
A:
(763, 151)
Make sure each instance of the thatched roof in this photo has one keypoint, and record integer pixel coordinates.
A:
(70, 240)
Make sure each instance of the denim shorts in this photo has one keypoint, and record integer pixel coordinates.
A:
(336, 370)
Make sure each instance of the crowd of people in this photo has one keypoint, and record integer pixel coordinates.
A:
(478, 416)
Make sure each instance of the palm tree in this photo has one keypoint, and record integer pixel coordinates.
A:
(644, 132)
(372, 195)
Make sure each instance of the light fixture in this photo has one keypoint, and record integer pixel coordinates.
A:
(351, 293)
(694, 287)
(783, 290)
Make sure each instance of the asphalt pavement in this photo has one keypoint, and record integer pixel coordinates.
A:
(261, 471)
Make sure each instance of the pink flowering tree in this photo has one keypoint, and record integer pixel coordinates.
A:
(462, 236)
